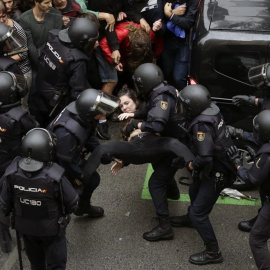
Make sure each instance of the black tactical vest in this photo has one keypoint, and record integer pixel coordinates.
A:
(54, 71)
(221, 139)
(69, 122)
(10, 135)
(8, 64)
(37, 203)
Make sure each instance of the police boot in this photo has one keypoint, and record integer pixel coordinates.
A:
(211, 254)
(163, 231)
(181, 221)
(84, 207)
(172, 191)
(246, 226)
(5, 238)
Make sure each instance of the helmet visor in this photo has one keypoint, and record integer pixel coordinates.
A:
(106, 104)
(19, 83)
(13, 41)
(258, 75)
(88, 47)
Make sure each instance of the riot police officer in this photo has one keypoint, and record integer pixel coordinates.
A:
(75, 127)
(258, 175)
(15, 122)
(162, 118)
(8, 42)
(63, 67)
(259, 76)
(35, 189)
(211, 168)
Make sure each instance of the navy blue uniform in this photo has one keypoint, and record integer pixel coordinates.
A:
(37, 200)
(212, 170)
(163, 117)
(259, 175)
(74, 134)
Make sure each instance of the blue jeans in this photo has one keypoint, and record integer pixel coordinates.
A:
(175, 60)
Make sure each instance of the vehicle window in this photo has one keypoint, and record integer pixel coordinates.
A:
(236, 64)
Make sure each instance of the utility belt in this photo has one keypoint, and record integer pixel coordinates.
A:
(221, 179)
(142, 135)
(59, 94)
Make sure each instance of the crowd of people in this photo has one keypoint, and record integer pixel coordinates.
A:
(54, 55)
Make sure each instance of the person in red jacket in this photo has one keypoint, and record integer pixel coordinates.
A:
(69, 9)
(136, 46)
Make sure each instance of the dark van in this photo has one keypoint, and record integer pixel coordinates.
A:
(230, 37)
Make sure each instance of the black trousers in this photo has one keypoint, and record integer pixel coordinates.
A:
(203, 195)
(148, 148)
(140, 150)
(259, 236)
(46, 253)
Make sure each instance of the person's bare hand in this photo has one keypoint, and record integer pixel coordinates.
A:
(180, 10)
(116, 56)
(168, 10)
(119, 67)
(116, 167)
(110, 20)
(65, 20)
(124, 116)
(157, 25)
(145, 25)
(121, 16)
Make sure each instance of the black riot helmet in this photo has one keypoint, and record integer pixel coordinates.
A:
(38, 147)
(82, 33)
(92, 102)
(12, 88)
(261, 126)
(146, 77)
(194, 100)
(10, 38)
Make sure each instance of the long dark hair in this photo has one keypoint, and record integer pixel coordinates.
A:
(126, 91)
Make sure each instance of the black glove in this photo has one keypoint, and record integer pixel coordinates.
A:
(132, 126)
(234, 156)
(178, 163)
(236, 133)
(243, 100)
(251, 152)
(106, 159)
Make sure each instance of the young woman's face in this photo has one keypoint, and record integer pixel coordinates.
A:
(126, 104)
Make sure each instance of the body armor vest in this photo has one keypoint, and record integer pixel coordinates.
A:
(163, 96)
(66, 120)
(54, 72)
(10, 135)
(37, 209)
(221, 139)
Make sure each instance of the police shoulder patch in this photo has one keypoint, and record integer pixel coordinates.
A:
(200, 136)
(164, 105)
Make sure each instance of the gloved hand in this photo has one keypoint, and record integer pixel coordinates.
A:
(106, 159)
(132, 126)
(251, 152)
(179, 163)
(234, 156)
(243, 100)
(236, 133)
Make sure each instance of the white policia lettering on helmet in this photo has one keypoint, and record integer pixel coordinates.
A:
(29, 189)
(30, 202)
